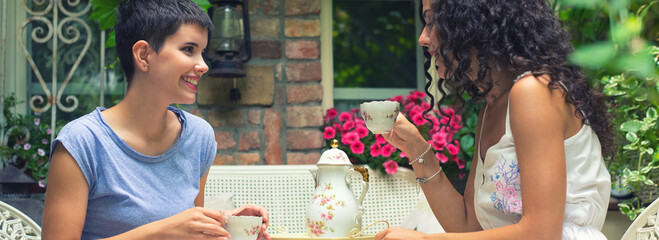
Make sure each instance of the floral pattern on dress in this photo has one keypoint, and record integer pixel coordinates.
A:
(507, 196)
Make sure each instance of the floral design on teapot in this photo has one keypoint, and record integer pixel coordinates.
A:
(327, 202)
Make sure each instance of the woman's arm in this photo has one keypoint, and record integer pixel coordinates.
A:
(199, 201)
(65, 209)
(65, 204)
(453, 211)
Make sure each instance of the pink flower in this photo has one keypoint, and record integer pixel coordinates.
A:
(362, 131)
(499, 186)
(418, 119)
(390, 167)
(349, 138)
(515, 204)
(379, 139)
(510, 191)
(449, 111)
(331, 113)
(441, 157)
(461, 163)
(398, 98)
(453, 149)
(42, 184)
(444, 120)
(48, 131)
(416, 110)
(27, 146)
(329, 133)
(37, 121)
(357, 147)
(435, 124)
(387, 150)
(412, 97)
(44, 141)
(338, 127)
(439, 141)
(425, 105)
(375, 150)
(348, 125)
(41, 152)
(402, 155)
(419, 94)
(345, 116)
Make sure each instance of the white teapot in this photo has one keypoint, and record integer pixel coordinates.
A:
(334, 211)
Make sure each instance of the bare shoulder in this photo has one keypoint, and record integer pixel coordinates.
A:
(533, 101)
(534, 92)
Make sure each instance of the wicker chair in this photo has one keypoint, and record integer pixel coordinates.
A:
(646, 225)
(16, 225)
(286, 191)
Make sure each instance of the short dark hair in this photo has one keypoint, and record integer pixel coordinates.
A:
(152, 21)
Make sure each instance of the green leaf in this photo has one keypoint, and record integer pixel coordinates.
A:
(631, 137)
(105, 12)
(204, 4)
(626, 172)
(466, 142)
(583, 3)
(640, 64)
(111, 40)
(625, 31)
(651, 113)
(631, 126)
(595, 55)
(648, 182)
(624, 207)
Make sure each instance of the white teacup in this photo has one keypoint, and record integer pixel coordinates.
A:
(379, 116)
(244, 227)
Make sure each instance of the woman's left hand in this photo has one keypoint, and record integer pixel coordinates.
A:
(396, 233)
(253, 210)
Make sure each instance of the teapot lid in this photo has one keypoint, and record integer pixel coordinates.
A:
(334, 156)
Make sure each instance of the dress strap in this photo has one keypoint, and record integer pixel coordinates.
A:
(582, 112)
(508, 131)
(480, 135)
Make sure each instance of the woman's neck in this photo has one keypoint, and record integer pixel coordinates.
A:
(502, 82)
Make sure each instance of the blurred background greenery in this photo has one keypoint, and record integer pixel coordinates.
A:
(616, 45)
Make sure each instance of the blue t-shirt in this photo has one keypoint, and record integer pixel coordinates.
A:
(128, 189)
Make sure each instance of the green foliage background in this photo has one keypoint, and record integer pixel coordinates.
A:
(616, 45)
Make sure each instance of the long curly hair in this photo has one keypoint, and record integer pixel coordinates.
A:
(520, 35)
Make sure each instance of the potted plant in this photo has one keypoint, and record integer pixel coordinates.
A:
(26, 142)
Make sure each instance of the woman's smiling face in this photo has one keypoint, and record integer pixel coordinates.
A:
(179, 64)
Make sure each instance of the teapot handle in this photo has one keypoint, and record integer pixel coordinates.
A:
(314, 173)
(365, 179)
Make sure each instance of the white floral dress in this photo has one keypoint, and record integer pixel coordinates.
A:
(497, 189)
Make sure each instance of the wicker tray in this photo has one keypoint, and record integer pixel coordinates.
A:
(303, 236)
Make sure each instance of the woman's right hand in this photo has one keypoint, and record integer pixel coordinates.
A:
(194, 223)
(405, 136)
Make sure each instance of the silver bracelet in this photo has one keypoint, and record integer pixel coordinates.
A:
(420, 157)
(426, 179)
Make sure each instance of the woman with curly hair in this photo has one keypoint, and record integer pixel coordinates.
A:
(538, 170)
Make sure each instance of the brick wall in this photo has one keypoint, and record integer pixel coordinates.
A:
(279, 116)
